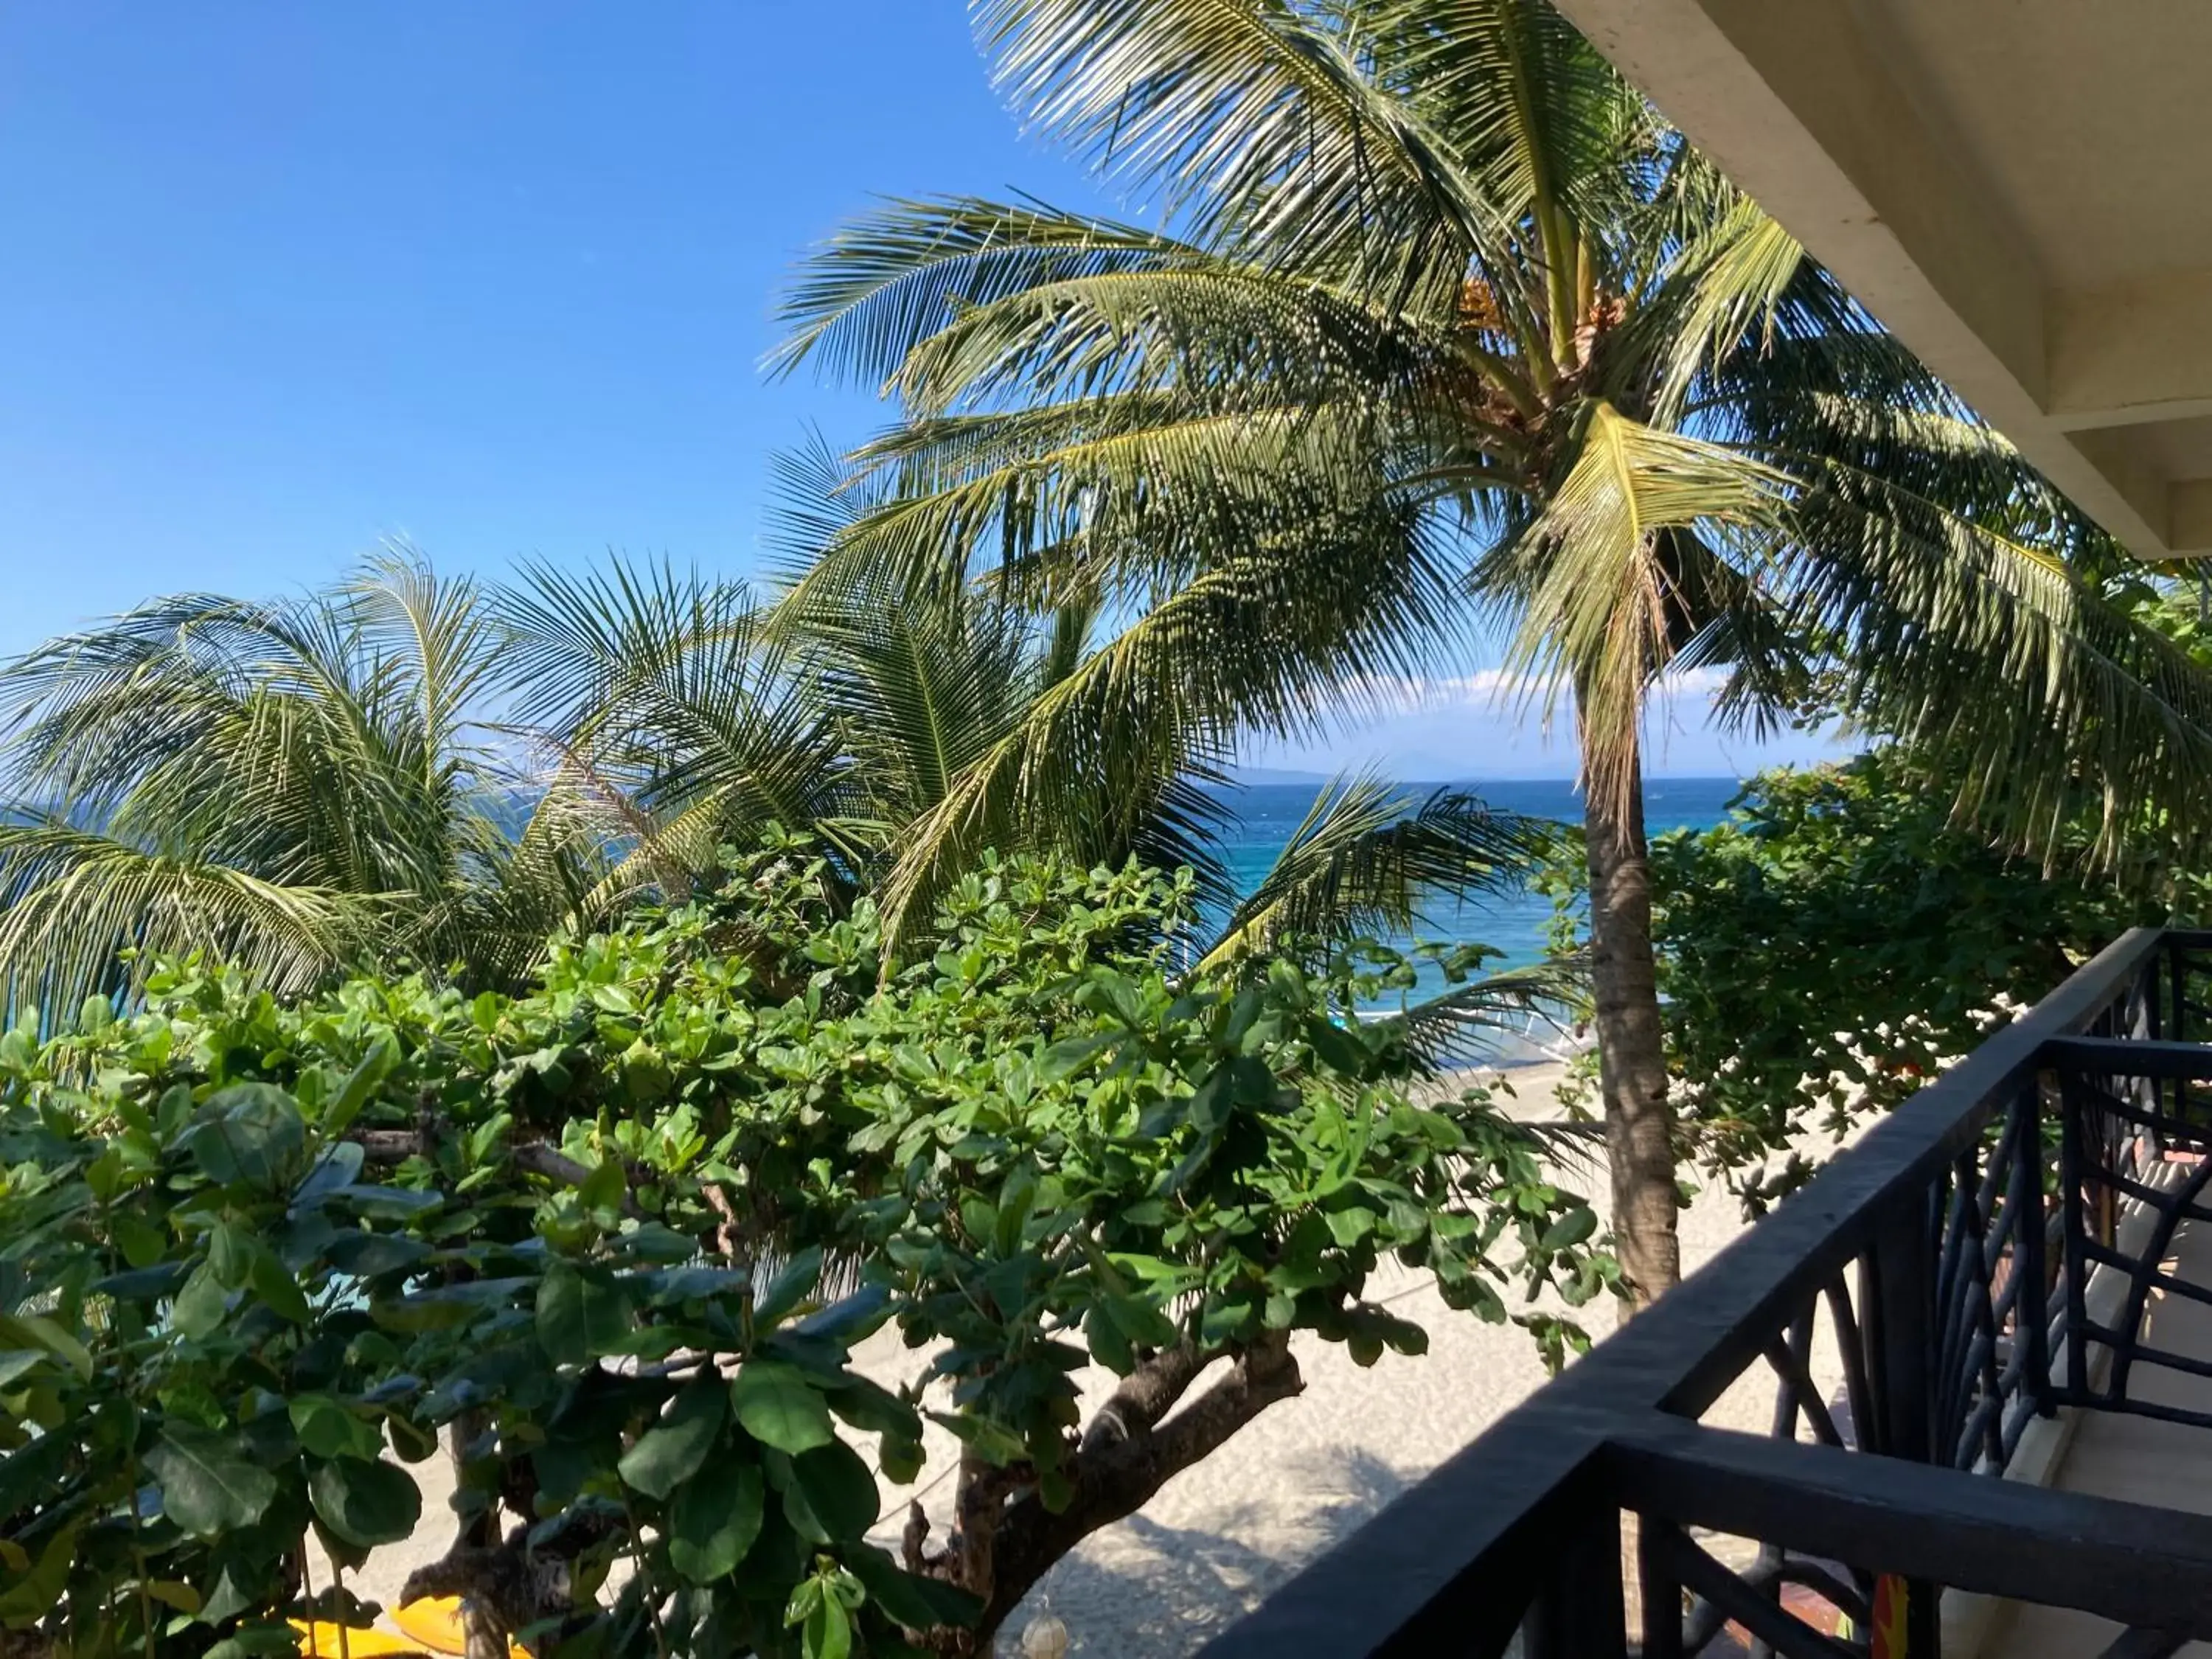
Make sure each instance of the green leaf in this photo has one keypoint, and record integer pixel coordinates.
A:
(789, 1287)
(668, 1286)
(30, 1472)
(36, 1330)
(140, 1241)
(779, 1406)
(227, 1600)
(410, 1440)
(274, 1283)
(829, 1633)
(581, 1315)
(712, 1523)
(822, 1606)
(35, 1594)
(365, 1503)
(1569, 1230)
(850, 1319)
(917, 1603)
(183, 1597)
(229, 1252)
(393, 1203)
(1210, 1102)
(448, 1307)
(339, 1166)
(251, 1134)
(831, 1496)
(994, 1442)
(1351, 1225)
(15, 1362)
(355, 1093)
(873, 1409)
(209, 1486)
(1017, 1203)
(604, 1187)
(900, 1459)
(671, 1450)
(365, 1255)
(1107, 1344)
(328, 1429)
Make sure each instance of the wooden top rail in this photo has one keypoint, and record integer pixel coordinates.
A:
(2133, 1563)
(1448, 1566)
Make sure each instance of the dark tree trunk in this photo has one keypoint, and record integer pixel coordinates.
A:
(1631, 1059)
(1006, 1538)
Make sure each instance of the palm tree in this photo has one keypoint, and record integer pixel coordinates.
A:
(296, 784)
(286, 784)
(862, 713)
(1439, 320)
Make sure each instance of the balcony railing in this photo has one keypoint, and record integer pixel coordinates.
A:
(1977, 1268)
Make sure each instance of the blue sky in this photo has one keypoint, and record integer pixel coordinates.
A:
(284, 280)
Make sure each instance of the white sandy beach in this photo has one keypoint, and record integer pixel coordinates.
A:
(1218, 1538)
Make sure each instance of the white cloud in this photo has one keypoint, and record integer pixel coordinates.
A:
(1486, 724)
(1509, 689)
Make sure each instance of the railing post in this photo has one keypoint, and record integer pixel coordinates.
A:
(2146, 1021)
(1578, 1613)
(2074, 1234)
(2030, 1316)
(2177, 1025)
(1903, 1340)
(1661, 1587)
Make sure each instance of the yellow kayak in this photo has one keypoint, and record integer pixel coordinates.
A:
(435, 1622)
(327, 1641)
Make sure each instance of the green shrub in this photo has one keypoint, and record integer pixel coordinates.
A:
(1838, 940)
(256, 1258)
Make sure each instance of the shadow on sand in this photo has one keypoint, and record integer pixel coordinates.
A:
(1143, 1590)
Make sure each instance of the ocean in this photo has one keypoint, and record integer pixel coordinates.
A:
(1267, 814)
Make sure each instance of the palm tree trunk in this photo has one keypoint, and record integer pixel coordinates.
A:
(1632, 1058)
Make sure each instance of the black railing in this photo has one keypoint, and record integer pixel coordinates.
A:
(1980, 1263)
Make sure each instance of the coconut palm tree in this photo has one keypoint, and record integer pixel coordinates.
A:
(293, 786)
(1434, 319)
(861, 712)
(287, 784)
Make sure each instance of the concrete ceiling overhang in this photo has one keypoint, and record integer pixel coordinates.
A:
(2020, 189)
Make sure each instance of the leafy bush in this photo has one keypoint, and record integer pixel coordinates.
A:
(260, 1257)
(1839, 940)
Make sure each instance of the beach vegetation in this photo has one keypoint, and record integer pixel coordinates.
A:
(689, 1248)
(1840, 939)
(1430, 325)
(410, 771)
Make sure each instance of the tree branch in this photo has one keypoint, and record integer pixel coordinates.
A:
(386, 1148)
(536, 1157)
(1145, 1397)
(518, 1583)
(1113, 1477)
(389, 1147)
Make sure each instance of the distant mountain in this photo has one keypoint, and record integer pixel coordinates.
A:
(1261, 776)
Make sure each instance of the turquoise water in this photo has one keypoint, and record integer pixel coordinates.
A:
(1268, 815)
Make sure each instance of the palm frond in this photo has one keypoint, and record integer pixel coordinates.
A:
(2008, 674)
(1491, 1014)
(72, 901)
(1254, 119)
(671, 690)
(890, 280)
(1366, 859)
(1597, 582)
